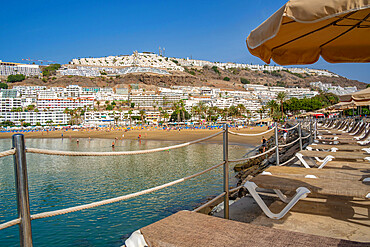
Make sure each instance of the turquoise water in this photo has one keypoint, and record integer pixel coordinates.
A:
(57, 182)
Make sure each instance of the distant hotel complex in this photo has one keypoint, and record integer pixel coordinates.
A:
(41, 105)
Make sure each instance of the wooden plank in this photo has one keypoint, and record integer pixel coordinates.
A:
(189, 229)
(348, 165)
(337, 155)
(334, 187)
(340, 147)
(356, 175)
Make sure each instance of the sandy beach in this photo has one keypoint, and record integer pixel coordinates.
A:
(151, 134)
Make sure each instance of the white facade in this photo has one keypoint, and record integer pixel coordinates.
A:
(34, 118)
(60, 104)
(24, 69)
(7, 104)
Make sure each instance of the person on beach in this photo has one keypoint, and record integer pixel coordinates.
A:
(264, 144)
(62, 135)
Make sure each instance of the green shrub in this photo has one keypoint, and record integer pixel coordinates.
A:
(215, 69)
(226, 78)
(244, 80)
(3, 85)
(16, 78)
(50, 70)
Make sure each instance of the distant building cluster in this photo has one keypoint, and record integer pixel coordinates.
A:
(99, 71)
(254, 67)
(152, 60)
(145, 59)
(329, 88)
(54, 103)
(7, 68)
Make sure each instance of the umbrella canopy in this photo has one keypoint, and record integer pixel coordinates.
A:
(360, 98)
(302, 30)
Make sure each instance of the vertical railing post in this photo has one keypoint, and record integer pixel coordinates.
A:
(300, 136)
(310, 140)
(277, 144)
(315, 129)
(226, 171)
(21, 184)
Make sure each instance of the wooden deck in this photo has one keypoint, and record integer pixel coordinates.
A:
(340, 147)
(331, 187)
(356, 175)
(336, 155)
(193, 229)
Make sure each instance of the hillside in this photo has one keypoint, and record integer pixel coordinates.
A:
(202, 76)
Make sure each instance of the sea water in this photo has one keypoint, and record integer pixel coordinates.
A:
(58, 182)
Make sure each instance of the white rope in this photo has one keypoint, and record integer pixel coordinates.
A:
(286, 162)
(256, 156)
(295, 126)
(285, 145)
(120, 198)
(257, 134)
(306, 137)
(209, 202)
(10, 223)
(71, 153)
(7, 153)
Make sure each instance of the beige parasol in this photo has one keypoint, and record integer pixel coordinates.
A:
(302, 30)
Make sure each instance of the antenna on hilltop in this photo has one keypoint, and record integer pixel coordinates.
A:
(160, 51)
(163, 51)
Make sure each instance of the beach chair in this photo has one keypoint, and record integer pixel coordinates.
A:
(339, 155)
(305, 162)
(303, 186)
(188, 229)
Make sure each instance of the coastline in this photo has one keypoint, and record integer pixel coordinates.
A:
(151, 134)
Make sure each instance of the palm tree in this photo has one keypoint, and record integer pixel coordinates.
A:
(142, 113)
(182, 109)
(129, 115)
(261, 111)
(241, 109)
(233, 110)
(281, 97)
(98, 103)
(272, 105)
(160, 113)
(166, 116)
(176, 109)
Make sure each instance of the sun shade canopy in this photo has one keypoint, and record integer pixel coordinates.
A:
(302, 30)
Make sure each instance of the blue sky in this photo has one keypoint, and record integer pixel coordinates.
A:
(211, 30)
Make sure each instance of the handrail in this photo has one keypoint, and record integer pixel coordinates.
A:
(287, 129)
(72, 153)
(107, 201)
(286, 162)
(7, 153)
(288, 144)
(257, 134)
(209, 202)
(255, 156)
(227, 191)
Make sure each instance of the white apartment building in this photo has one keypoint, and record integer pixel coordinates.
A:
(72, 91)
(60, 104)
(8, 68)
(7, 104)
(149, 100)
(34, 118)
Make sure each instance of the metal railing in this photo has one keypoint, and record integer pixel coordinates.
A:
(21, 180)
